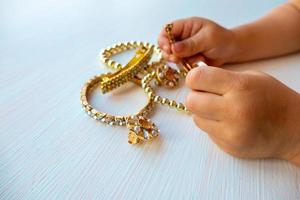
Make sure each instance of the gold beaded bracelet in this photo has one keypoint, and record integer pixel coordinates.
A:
(140, 127)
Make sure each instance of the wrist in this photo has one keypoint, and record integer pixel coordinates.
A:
(237, 45)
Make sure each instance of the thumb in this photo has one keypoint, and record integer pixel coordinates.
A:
(187, 47)
(211, 79)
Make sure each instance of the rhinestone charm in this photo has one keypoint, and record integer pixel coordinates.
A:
(167, 76)
(141, 129)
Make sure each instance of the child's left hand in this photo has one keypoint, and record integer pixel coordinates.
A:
(247, 114)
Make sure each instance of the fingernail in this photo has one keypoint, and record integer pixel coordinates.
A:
(201, 64)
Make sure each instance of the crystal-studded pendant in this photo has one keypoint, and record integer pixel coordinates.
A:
(141, 129)
(167, 76)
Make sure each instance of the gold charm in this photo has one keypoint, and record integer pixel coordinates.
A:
(136, 65)
(167, 76)
(141, 129)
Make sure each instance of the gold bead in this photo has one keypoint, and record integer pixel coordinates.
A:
(157, 99)
(172, 103)
(147, 89)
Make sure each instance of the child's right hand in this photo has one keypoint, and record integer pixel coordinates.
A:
(198, 39)
(247, 114)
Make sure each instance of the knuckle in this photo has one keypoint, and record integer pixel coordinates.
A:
(242, 113)
(193, 45)
(255, 72)
(195, 18)
(211, 34)
(242, 83)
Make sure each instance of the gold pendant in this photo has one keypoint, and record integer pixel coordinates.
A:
(141, 129)
(167, 76)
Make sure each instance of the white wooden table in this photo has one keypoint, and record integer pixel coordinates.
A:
(50, 149)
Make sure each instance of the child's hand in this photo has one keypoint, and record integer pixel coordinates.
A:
(198, 39)
(247, 114)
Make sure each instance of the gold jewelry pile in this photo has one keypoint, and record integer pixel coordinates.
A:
(142, 72)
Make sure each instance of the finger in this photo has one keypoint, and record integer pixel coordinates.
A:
(230, 148)
(178, 29)
(221, 143)
(207, 125)
(190, 46)
(185, 28)
(170, 58)
(214, 129)
(207, 105)
(211, 79)
(185, 31)
(163, 42)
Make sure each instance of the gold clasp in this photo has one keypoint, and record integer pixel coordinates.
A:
(137, 64)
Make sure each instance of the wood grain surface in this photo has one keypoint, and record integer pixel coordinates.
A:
(50, 149)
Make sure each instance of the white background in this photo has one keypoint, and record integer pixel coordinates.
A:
(50, 149)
